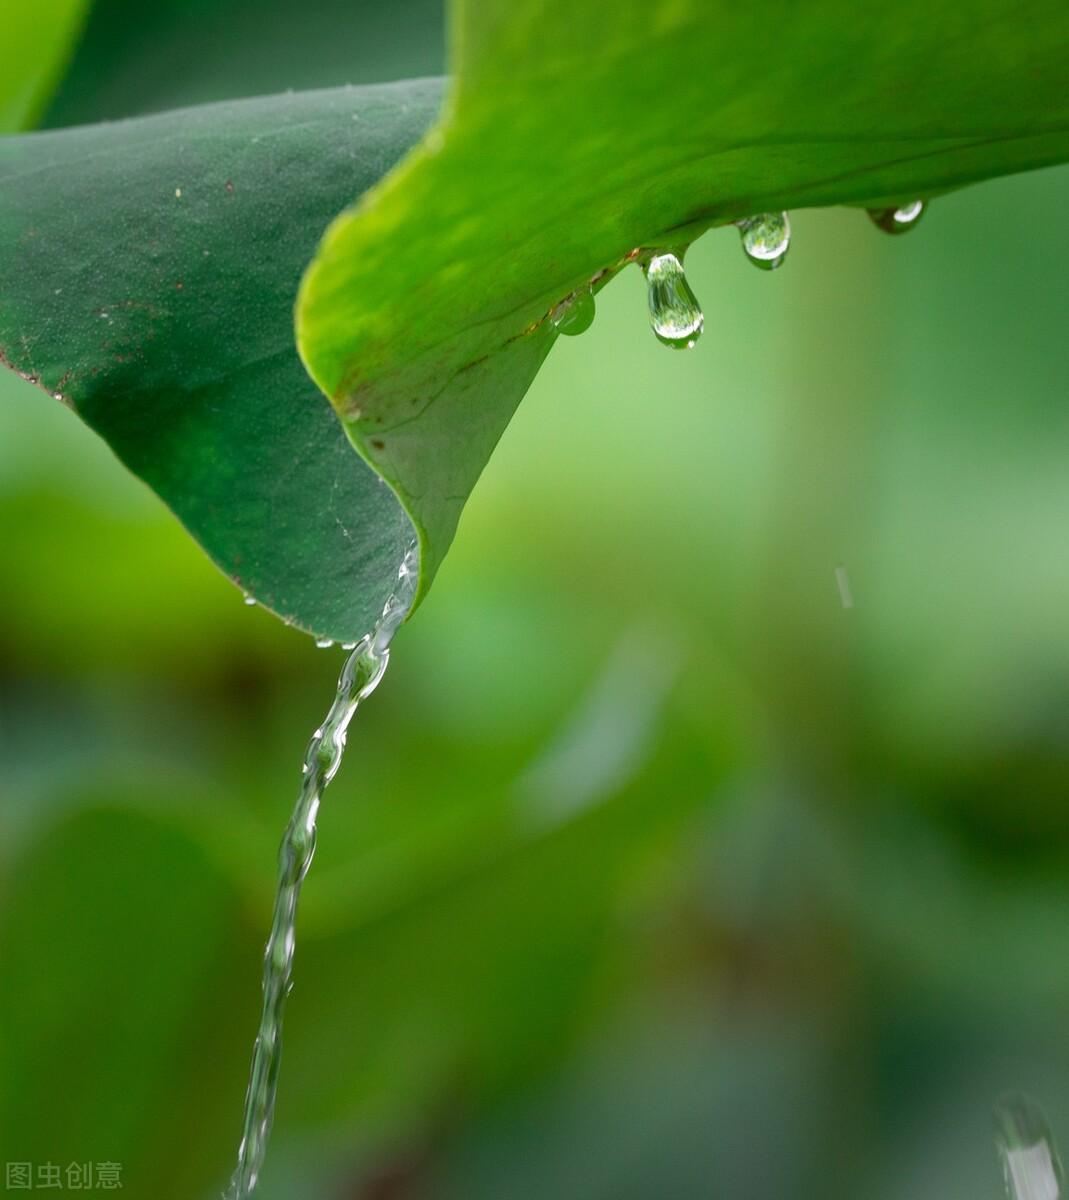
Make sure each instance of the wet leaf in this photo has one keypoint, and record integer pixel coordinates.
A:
(577, 132)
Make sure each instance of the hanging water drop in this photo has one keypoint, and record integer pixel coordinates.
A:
(1030, 1161)
(575, 313)
(324, 643)
(675, 314)
(250, 601)
(766, 238)
(360, 675)
(897, 220)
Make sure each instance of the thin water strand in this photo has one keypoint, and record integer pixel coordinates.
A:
(766, 238)
(1030, 1162)
(675, 314)
(897, 220)
(359, 677)
(575, 313)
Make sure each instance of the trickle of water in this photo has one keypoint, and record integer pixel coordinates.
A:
(575, 313)
(1030, 1161)
(359, 677)
(766, 238)
(897, 220)
(675, 314)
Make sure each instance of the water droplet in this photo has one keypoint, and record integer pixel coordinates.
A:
(250, 601)
(324, 643)
(675, 313)
(898, 220)
(766, 238)
(1030, 1160)
(348, 645)
(178, 193)
(575, 313)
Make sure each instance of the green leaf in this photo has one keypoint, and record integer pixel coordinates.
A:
(147, 276)
(37, 39)
(577, 132)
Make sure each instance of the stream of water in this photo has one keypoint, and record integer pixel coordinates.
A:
(360, 675)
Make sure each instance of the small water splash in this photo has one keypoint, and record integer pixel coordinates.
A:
(898, 220)
(766, 238)
(359, 677)
(575, 313)
(1026, 1147)
(675, 314)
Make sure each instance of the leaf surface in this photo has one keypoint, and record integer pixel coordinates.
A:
(577, 132)
(147, 276)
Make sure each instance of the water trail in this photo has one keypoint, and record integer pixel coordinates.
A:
(1026, 1146)
(359, 677)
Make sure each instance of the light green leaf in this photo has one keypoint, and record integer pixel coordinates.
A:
(577, 132)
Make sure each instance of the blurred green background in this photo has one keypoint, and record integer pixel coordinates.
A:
(652, 870)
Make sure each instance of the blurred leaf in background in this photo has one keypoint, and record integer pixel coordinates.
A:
(37, 42)
(139, 58)
(652, 870)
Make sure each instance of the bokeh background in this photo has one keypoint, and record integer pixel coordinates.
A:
(652, 870)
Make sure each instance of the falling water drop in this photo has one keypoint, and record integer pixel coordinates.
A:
(360, 675)
(675, 314)
(1030, 1161)
(766, 238)
(898, 220)
(575, 313)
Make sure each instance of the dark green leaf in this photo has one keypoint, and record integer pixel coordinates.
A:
(147, 276)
